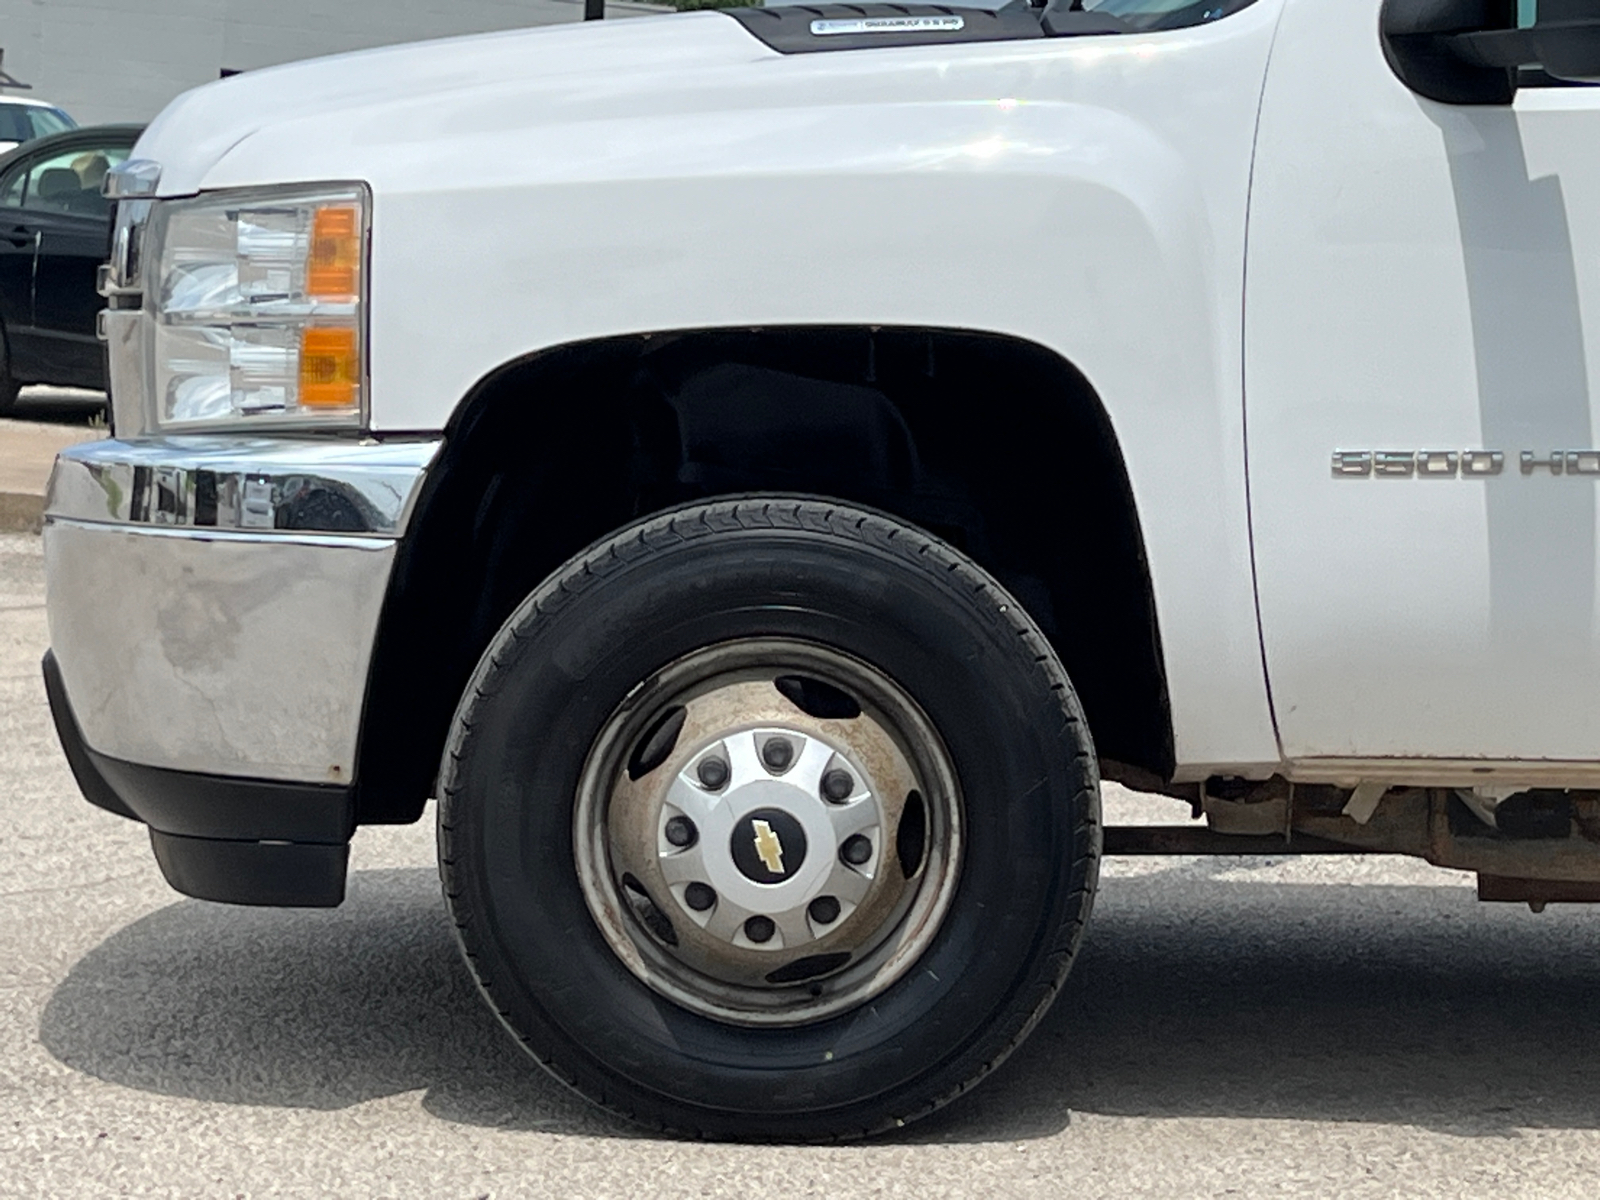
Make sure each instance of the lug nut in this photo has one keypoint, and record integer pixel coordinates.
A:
(824, 910)
(856, 850)
(681, 832)
(837, 785)
(713, 772)
(699, 896)
(759, 929)
(778, 753)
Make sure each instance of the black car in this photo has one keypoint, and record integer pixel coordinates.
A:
(55, 231)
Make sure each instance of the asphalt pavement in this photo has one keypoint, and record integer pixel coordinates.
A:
(1339, 1027)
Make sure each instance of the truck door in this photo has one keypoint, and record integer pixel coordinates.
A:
(1422, 373)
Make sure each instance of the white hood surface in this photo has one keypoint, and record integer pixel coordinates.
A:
(338, 110)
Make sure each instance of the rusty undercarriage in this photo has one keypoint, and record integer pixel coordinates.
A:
(1538, 845)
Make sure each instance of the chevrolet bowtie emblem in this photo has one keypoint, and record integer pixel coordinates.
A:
(768, 848)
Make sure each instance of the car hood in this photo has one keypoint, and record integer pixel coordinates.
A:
(332, 113)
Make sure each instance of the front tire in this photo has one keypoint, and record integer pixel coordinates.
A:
(9, 387)
(925, 845)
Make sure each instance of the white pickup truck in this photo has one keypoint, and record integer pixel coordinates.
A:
(760, 470)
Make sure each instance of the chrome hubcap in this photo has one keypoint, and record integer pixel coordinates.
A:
(768, 832)
(769, 842)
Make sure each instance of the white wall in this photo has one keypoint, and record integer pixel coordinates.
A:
(122, 60)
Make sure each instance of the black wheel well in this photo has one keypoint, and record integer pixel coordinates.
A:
(997, 445)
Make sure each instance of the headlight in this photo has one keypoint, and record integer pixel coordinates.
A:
(259, 305)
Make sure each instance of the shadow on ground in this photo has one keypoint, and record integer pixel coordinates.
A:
(1195, 997)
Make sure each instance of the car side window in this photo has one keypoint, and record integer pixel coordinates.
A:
(49, 120)
(13, 188)
(1538, 77)
(69, 182)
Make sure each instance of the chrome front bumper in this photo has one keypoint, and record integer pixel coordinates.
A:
(213, 602)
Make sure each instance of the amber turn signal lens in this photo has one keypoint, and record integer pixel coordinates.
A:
(330, 367)
(335, 267)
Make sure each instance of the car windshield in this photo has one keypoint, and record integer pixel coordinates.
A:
(1166, 14)
(1140, 15)
(24, 122)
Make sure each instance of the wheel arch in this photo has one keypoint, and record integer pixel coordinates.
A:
(989, 441)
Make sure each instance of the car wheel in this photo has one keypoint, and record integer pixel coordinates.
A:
(9, 387)
(769, 818)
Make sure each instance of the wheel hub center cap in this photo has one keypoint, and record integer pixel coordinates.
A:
(768, 845)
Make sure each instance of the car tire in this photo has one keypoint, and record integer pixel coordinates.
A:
(9, 387)
(577, 964)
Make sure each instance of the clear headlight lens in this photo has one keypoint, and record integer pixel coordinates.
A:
(259, 301)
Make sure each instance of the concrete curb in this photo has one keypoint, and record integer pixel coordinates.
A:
(28, 450)
(21, 512)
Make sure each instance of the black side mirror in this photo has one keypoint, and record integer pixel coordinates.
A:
(1468, 51)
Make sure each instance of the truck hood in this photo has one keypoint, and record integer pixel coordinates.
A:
(424, 91)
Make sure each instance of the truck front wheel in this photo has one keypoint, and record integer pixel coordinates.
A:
(769, 818)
